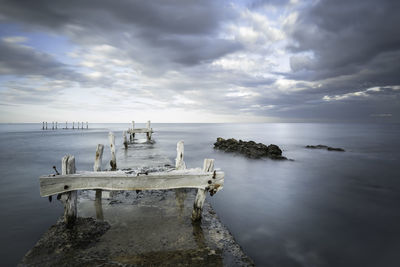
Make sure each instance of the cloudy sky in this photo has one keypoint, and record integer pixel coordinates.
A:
(200, 61)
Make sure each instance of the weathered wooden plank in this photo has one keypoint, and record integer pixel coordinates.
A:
(120, 180)
(113, 161)
(99, 157)
(140, 130)
(208, 166)
(69, 199)
(179, 163)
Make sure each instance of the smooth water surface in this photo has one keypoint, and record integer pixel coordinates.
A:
(322, 209)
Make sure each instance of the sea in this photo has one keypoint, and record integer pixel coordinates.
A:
(324, 208)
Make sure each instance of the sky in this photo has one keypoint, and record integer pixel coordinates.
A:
(200, 61)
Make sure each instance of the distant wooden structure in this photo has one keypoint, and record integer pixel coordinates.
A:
(54, 126)
(148, 131)
(204, 179)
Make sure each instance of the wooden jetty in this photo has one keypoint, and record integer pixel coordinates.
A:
(54, 126)
(204, 179)
(132, 131)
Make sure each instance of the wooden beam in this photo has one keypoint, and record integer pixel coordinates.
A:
(140, 130)
(69, 199)
(124, 180)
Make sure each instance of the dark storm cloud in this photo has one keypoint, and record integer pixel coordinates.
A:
(345, 36)
(166, 31)
(21, 60)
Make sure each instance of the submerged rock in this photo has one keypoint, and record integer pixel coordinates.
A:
(326, 147)
(250, 149)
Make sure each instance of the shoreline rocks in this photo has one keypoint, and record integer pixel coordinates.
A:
(326, 147)
(250, 149)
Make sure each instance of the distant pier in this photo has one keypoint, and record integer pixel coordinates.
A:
(55, 126)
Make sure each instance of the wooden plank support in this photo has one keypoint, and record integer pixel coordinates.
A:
(125, 180)
(208, 166)
(113, 161)
(69, 198)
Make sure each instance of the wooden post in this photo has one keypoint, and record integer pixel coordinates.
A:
(66, 125)
(73, 125)
(208, 166)
(43, 126)
(99, 157)
(96, 168)
(87, 125)
(52, 125)
(125, 140)
(113, 161)
(82, 125)
(56, 125)
(70, 198)
(133, 125)
(148, 125)
(46, 125)
(179, 163)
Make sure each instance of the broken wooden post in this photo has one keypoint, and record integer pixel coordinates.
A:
(208, 166)
(125, 140)
(98, 158)
(148, 133)
(113, 161)
(69, 198)
(179, 163)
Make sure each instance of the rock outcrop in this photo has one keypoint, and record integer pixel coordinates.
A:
(326, 147)
(250, 149)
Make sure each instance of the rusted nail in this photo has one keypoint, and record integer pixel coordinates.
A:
(66, 186)
(209, 182)
(214, 174)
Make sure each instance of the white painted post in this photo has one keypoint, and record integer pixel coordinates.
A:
(125, 140)
(179, 163)
(99, 157)
(208, 166)
(113, 161)
(148, 125)
(70, 198)
(133, 124)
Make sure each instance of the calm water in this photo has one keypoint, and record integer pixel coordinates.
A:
(323, 209)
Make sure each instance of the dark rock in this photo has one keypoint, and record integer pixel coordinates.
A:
(250, 149)
(326, 147)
